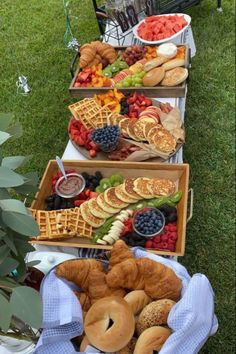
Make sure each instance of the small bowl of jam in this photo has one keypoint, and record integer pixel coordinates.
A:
(71, 186)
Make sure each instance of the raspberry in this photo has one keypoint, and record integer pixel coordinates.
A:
(164, 238)
(164, 245)
(149, 244)
(173, 228)
(157, 239)
(157, 245)
(173, 236)
(171, 247)
(171, 241)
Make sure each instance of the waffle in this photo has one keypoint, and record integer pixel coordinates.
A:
(57, 224)
(77, 223)
(92, 115)
(41, 219)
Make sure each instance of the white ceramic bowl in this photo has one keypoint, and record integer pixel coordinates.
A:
(135, 30)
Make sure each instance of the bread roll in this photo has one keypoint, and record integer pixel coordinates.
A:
(154, 314)
(174, 63)
(109, 324)
(137, 299)
(151, 64)
(84, 344)
(151, 339)
(174, 77)
(129, 348)
(153, 77)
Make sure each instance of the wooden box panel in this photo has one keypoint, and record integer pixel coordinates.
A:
(176, 172)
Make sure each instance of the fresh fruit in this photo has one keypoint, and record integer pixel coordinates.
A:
(82, 136)
(92, 77)
(133, 80)
(111, 99)
(155, 28)
(107, 138)
(148, 222)
(114, 68)
(134, 53)
(116, 178)
(166, 241)
(105, 183)
(55, 202)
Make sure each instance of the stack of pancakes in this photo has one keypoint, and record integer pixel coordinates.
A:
(147, 128)
(96, 210)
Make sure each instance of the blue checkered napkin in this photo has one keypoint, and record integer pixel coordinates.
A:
(192, 319)
(62, 316)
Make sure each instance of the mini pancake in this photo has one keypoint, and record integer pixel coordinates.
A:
(164, 141)
(128, 188)
(152, 133)
(89, 217)
(147, 119)
(96, 210)
(106, 207)
(122, 195)
(147, 127)
(111, 199)
(123, 123)
(138, 129)
(130, 129)
(159, 187)
(140, 187)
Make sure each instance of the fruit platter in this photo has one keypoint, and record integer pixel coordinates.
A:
(157, 71)
(102, 202)
(133, 127)
(161, 28)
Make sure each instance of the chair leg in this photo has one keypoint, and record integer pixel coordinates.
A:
(219, 7)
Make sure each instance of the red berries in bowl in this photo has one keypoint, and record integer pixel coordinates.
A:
(166, 241)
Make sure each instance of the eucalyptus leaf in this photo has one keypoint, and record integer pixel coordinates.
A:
(7, 282)
(21, 268)
(4, 194)
(2, 234)
(5, 120)
(5, 313)
(7, 266)
(4, 137)
(13, 205)
(26, 304)
(26, 189)
(15, 131)
(32, 178)
(23, 247)
(23, 224)
(14, 162)
(9, 178)
(4, 252)
(32, 263)
(9, 241)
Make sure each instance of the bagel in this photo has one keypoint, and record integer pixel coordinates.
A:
(173, 63)
(154, 63)
(153, 77)
(137, 300)
(151, 339)
(98, 319)
(129, 348)
(154, 314)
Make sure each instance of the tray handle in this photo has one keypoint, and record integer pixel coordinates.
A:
(72, 66)
(190, 205)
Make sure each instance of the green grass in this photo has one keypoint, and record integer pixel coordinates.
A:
(31, 43)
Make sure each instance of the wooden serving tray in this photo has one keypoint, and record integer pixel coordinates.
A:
(176, 172)
(157, 91)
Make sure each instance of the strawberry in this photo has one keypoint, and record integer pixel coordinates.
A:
(78, 202)
(148, 101)
(79, 140)
(92, 153)
(94, 145)
(93, 194)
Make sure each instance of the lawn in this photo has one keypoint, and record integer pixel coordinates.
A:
(31, 43)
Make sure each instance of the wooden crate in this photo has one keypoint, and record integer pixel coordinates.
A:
(175, 172)
(157, 91)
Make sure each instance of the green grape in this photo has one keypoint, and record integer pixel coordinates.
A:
(138, 85)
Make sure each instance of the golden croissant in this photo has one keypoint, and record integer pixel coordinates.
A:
(78, 271)
(120, 252)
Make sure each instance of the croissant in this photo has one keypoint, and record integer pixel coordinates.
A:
(125, 275)
(109, 54)
(87, 55)
(160, 281)
(98, 287)
(78, 270)
(120, 252)
(84, 300)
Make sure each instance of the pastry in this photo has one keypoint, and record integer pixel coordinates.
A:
(77, 271)
(84, 300)
(154, 314)
(119, 253)
(102, 335)
(151, 339)
(137, 300)
(175, 77)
